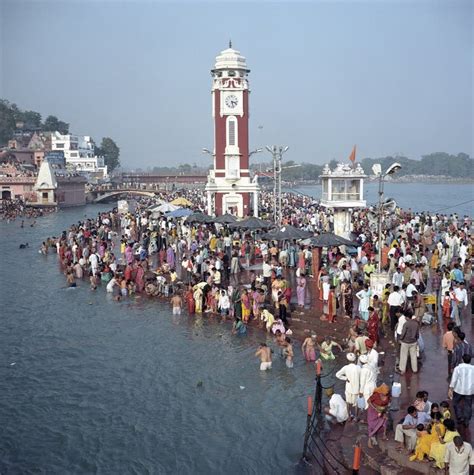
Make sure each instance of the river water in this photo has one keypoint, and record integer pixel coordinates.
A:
(100, 386)
(438, 197)
(89, 385)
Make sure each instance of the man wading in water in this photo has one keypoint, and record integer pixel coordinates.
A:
(176, 303)
(265, 355)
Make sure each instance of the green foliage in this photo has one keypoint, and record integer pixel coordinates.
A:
(31, 119)
(7, 121)
(52, 123)
(437, 164)
(111, 153)
(10, 114)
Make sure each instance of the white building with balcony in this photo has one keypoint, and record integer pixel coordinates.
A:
(79, 153)
(342, 191)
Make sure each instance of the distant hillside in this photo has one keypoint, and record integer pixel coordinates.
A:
(434, 164)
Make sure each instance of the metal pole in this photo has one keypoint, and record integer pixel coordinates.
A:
(279, 187)
(379, 266)
(275, 185)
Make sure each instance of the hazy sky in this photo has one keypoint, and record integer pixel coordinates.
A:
(392, 77)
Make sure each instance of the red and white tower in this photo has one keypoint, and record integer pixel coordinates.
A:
(229, 187)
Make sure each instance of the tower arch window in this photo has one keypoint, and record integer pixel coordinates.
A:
(232, 131)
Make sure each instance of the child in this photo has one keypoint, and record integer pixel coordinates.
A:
(445, 412)
(434, 409)
(423, 442)
(446, 305)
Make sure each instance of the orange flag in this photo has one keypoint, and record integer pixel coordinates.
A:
(352, 156)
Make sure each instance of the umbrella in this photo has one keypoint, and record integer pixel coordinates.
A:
(252, 223)
(181, 201)
(287, 232)
(164, 208)
(156, 206)
(225, 219)
(179, 213)
(329, 239)
(199, 217)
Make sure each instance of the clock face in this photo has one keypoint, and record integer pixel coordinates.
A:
(231, 101)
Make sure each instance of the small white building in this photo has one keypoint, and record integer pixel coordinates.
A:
(79, 153)
(342, 191)
(46, 185)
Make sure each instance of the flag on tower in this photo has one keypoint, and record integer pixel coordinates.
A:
(352, 156)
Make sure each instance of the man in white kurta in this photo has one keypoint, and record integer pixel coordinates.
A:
(368, 379)
(350, 373)
(337, 409)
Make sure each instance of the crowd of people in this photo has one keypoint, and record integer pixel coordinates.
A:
(226, 271)
(10, 210)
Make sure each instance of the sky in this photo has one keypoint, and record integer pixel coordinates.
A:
(393, 77)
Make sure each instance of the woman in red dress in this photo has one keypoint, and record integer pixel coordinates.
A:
(377, 412)
(373, 325)
(189, 297)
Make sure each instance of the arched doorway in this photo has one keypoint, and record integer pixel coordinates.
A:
(6, 195)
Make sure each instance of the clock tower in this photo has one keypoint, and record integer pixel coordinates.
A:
(229, 187)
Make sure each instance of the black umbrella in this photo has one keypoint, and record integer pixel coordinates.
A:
(252, 223)
(225, 219)
(199, 217)
(328, 240)
(287, 233)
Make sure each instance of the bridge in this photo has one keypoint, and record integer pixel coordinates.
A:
(100, 196)
(147, 179)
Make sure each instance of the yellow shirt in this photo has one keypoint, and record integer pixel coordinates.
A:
(213, 243)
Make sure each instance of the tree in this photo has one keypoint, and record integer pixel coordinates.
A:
(111, 153)
(52, 124)
(7, 121)
(30, 118)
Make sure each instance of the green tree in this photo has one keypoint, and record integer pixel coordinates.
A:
(111, 153)
(7, 121)
(30, 118)
(52, 123)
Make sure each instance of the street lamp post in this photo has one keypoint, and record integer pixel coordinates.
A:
(277, 152)
(377, 169)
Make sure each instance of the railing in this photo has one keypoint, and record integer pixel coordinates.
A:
(316, 452)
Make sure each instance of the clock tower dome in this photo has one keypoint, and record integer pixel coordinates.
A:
(229, 187)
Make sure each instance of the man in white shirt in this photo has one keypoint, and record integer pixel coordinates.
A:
(395, 302)
(94, 262)
(350, 373)
(368, 379)
(397, 278)
(372, 355)
(337, 409)
(461, 390)
(267, 274)
(410, 288)
(458, 457)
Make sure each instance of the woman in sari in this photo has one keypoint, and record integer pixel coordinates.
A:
(438, 448)
(236, 304)
(322, 278)
(434, 264)
(347, 298)
(379, 404)
(373, 325)
(189, 297)
(300, 290)
(246, 307)
(197, 299)
(332, 304)
(140, 278)
(425, 441)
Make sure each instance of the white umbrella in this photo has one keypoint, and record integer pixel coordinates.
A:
(165, 208)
